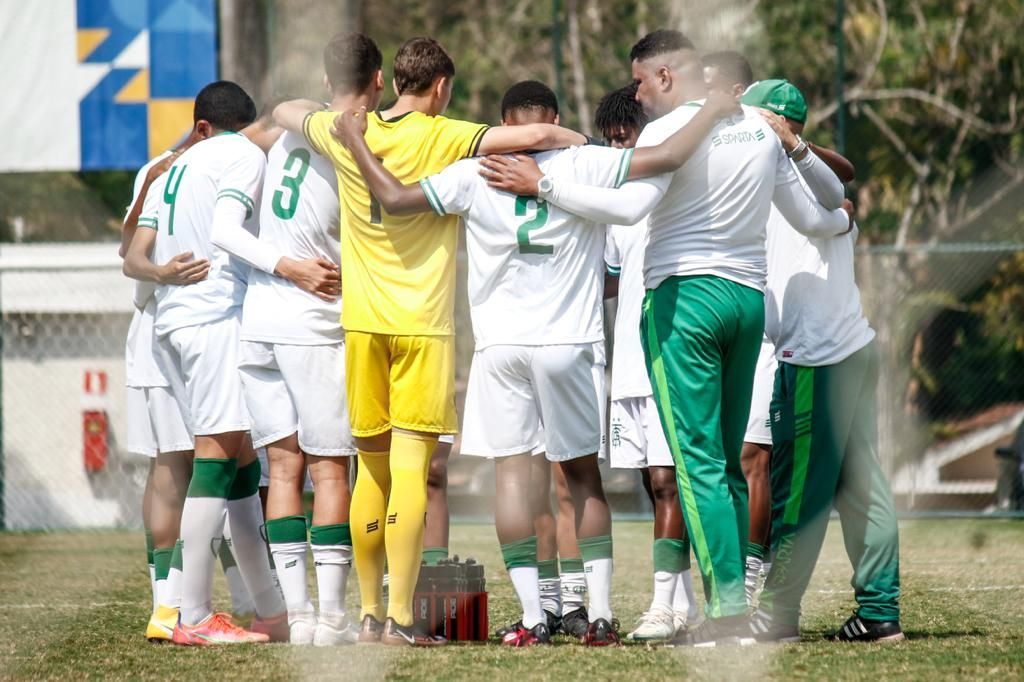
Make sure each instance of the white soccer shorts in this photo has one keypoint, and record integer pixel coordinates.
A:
(291, 388)
(759, 428)
(521, 398)
(205, 356)
(636, 439)
(155, 422)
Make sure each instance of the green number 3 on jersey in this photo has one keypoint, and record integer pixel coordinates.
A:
(534, 223)
(295, 167)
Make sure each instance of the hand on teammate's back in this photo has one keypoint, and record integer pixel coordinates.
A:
(517, 174)
(182, 270)
(851, 210)
(349, 126)
(317, 276)
(722, 103)
(781, 128)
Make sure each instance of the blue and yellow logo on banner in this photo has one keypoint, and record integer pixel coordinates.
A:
(140, 64)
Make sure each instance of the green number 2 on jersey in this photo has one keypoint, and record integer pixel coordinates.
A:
(295, 168)
(534, 223)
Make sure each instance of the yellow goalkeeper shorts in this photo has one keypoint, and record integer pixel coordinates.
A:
(405, 382)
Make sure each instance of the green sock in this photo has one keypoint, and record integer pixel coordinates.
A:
(571, 565)
(520, 553)
(596, 547)
(669, 555)
(547, 569)
(334, 534)
(434, 555)
(246, 482)
(756, 550)
(288, 529)
(149, 548)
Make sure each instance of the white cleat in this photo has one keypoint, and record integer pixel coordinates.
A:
(301, 629)
(334, 630)
(655, 625)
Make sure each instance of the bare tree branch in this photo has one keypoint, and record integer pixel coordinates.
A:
(919, 167)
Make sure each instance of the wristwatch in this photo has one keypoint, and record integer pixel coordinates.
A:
(545, 186)
(799, 150)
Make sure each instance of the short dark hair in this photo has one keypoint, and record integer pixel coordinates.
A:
(732, 65)
(529, 95)
(350, 61)
(619, 108)
(419, 62)
(225, 105)
(659, 42)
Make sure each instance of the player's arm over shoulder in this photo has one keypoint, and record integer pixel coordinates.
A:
(538, 136)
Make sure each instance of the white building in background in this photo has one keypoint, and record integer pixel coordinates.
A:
(65, 310)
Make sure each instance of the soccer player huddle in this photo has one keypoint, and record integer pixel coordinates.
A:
(743, 367)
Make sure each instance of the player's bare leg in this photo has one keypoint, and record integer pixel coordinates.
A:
(593, 535)
(286, 533)
(755, 459)
(147, 502)
(331, 539)
(514, 523)
(435, 534)
(170, 476)
(573, 581)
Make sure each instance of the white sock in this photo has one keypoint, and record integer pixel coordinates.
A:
(751, 577)
(153, 586)
(574, 589)
(766, 568)
(246, 517)
(664, 589)
(333, 563)
(170, 589)
(202, 522)
(551, 595)
(685, 601)
(599, 588)
(290, 559)
(527, 586)
(241, 601)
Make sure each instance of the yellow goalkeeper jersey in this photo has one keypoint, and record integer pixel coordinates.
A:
(398, 272)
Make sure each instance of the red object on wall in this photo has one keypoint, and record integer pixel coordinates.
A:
(95, 425)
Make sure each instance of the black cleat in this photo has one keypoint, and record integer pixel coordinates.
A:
(506, 629)
(763, 628)
(369, 632)
(553, 622)
(858, 629)
(521, 637)
(725, 631)
(601, 633)
(575, 623)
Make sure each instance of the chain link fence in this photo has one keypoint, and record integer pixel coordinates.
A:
(950, 323)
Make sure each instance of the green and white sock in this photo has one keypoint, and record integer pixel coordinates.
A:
(521, 562)
(755, 562)
(596, 553)
(668, 564)
(332, 557)
(432, 556)
(550, 586)
(161, 569)
(287, 538)
(152, 568)
(170, 594)
(573, 583)
(245, 514)
(202, 524)
(241, 602)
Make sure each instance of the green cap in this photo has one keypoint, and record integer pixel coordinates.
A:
(779, 96)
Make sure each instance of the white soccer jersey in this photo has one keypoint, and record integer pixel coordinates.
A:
(141, 368)
(535, 270)
(624, 256)
(225, 167)
(711, 219)
(813, 313)
(298, 218)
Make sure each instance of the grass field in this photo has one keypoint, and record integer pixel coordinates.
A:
(75, 604)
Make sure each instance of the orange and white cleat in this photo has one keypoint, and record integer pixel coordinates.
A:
(214, 630)
(275, 628)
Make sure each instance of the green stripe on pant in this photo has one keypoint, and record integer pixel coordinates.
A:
(825, 452)
(702, 335)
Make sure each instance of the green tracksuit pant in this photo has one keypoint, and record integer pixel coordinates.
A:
(701, 338)
(825, 452)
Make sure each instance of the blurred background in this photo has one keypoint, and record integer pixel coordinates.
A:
(922, 96)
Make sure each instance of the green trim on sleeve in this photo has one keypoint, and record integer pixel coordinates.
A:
(614, 270)
(149, 223)
(239, 196)
(624, 161)
(432, 198)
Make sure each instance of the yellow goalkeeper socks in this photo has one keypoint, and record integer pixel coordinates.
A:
(368, 507)
(406, 513)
